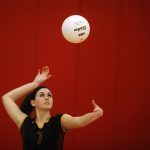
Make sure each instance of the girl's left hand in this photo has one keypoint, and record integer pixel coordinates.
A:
(96, 107)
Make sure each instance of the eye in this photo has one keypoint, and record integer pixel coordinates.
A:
(49, 95)
(41, 95)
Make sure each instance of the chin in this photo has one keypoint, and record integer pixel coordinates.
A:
(48, 107)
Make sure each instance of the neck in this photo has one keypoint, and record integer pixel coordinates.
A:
(42, 116)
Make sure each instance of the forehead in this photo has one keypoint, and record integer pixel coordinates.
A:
(43, 90)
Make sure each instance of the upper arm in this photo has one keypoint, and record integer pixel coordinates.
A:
(13, 111)
(69, 122)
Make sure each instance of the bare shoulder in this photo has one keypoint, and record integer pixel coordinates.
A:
(66, 117)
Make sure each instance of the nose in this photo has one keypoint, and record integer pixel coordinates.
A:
(47, 98)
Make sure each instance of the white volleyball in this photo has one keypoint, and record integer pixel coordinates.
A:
(75, 29)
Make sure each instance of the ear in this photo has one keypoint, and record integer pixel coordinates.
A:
(32, 103)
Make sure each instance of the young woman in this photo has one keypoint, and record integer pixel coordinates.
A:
(44, 132)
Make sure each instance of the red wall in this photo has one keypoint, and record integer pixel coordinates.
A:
(111, 66)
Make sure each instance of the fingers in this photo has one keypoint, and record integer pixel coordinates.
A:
(96, 107)
(94, 104)
(39, 71)
(45, 69)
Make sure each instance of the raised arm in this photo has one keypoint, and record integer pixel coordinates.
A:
(69, 122)
(9, 98)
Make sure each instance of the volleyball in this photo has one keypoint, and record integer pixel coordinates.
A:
(75, 29)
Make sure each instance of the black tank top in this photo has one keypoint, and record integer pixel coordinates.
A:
(50, 137)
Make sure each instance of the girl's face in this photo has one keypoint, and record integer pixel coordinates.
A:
(43, 99)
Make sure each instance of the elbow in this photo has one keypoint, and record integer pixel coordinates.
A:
(4, 97)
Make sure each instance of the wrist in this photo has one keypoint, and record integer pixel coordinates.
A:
(36, 83)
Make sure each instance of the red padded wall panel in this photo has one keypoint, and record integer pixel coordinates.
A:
(111, 66)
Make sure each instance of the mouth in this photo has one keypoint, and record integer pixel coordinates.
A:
(47, 103)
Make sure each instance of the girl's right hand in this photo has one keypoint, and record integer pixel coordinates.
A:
(42, 76)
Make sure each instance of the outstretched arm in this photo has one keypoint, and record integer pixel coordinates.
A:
(9, 98)
(69, 122)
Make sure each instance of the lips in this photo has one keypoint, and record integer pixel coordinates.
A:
(47, 103)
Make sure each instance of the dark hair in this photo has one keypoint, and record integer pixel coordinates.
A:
(26, 106)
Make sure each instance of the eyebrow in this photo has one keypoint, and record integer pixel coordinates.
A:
(43, 92)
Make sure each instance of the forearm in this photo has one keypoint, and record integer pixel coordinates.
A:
(21, 91)
(69, 122)
(89, 118)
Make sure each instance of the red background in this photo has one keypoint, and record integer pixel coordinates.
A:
(111, 66)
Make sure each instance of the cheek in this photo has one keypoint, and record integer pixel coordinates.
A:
(51, 101)
(38, 102)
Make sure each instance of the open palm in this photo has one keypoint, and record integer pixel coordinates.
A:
(43, 75)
